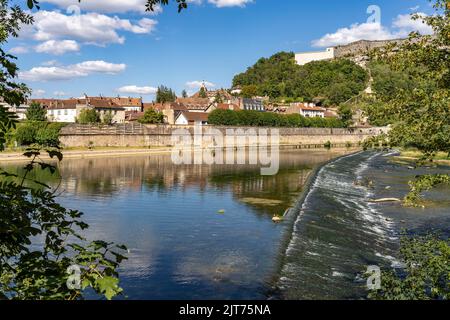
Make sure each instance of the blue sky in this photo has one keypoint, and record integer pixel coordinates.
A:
(112, 47)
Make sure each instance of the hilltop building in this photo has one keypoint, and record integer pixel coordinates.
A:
(307, 57)
(357, 51)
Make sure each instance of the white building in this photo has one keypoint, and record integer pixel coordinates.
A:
(20, 111)
(192, 119)
(307, 57)
(308, 110)
(312, 112)
(62, 114)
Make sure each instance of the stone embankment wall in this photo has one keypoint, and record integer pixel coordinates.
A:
(137, 135)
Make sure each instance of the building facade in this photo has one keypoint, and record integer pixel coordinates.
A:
(307, 57)
(308, 110)
(192, 119)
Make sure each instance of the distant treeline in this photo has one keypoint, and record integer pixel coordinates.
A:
(268, 119)
(279, 77)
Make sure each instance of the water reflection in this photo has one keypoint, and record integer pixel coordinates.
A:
(168, 215)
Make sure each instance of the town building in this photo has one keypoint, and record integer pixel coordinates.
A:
(252, 104)
(68, 110)
(170, 110)
(192, 118)
(62, 110)
(20, 110)
(308, 110)
(228, 106)
(196, 104)
(307, 57)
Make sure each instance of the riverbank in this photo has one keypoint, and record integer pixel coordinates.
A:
(414, 155)
(85, 153)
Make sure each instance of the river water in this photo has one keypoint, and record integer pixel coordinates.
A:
(206, 232)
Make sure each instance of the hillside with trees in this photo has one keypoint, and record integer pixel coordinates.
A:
(280, 78)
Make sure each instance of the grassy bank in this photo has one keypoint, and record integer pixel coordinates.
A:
(412, 155)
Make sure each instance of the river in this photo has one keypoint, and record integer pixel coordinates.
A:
(206, 232)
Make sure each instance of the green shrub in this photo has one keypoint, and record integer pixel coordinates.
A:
(88, 116)
(151, 116)
(425, 273)
(268, 119)
(36, 113)
(43, 133)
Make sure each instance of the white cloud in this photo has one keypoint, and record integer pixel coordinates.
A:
(198, 84)
(364, 31)
(229, 3)
(78, 70)
(132, 89)
(38, 93)
(49, 63)
(90, 28)
(106, 6)
(58, 47)
(18, 50)
(406, 25)
(401, 27)
(59, 93)
(100, 66)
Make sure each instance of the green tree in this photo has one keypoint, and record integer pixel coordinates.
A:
(346, 114)
(36, 113)
(249, 91)
(252, 118)
(42, 133)
(202, 93)
(151, 116)
(165, 94)
(88, 116)
(218, 98)
(280, 78)
(420, 118)
(184, 94)
(108, 118)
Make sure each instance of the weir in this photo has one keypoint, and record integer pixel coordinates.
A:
(336, 234)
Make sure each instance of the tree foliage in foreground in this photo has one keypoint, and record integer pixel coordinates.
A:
(425, 275)
(420, 118)
(42, 252)
(418, 108)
